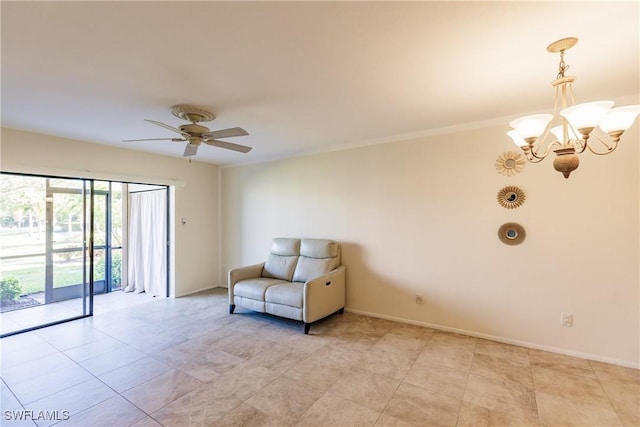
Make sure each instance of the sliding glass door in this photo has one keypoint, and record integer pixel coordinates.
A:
(47, 237)
(65, 240)
(68, 203)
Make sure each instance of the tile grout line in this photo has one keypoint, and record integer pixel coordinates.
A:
(250, 325)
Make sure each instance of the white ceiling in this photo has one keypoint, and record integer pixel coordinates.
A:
(301, 77)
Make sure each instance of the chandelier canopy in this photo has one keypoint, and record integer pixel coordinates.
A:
(576, 126)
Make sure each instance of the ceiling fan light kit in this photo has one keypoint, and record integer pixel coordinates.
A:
(579, 124)
(195, 134)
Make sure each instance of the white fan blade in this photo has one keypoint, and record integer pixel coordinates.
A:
(228, 145)
(155, 139)
(190, 150)
(185, 134)
(225, 133)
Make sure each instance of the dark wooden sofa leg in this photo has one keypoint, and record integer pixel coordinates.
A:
(231, 308)
(307, 326)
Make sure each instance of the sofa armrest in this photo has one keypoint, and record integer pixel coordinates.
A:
(243, 273)
(324, 295)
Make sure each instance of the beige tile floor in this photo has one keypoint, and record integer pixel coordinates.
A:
(187, 362)
(17, 320)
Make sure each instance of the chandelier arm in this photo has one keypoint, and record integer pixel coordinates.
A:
(603, 142)
(548, 128)
(532, 159)
(580, 144)
(546, 151)
(610, 148)
(573, 101)
(603, 153)
(546, 133)
(555, 103)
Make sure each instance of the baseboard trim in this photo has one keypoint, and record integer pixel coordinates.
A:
(195, 291)
(566, 352)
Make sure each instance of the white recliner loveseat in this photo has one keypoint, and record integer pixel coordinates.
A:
(302, 279)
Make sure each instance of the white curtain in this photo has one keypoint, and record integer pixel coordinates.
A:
(147, 264)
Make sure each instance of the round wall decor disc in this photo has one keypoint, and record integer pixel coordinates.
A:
(511, 233)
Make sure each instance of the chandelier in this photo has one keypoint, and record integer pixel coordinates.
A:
(577, 126)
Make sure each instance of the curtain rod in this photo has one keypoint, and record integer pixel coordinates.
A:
(146, 191)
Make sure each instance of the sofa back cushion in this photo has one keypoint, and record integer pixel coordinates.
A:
(317, 257)
(283, 259)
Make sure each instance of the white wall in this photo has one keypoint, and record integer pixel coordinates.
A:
(196, 191)
(422, 217)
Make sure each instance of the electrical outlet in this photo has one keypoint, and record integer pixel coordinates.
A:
(418, 298)
(566, 319)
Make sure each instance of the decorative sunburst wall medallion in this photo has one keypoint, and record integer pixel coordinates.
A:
(511, 197)
(510, 163)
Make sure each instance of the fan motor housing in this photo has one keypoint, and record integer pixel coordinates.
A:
(194, 129)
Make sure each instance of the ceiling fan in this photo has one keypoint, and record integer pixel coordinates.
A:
(195, 134)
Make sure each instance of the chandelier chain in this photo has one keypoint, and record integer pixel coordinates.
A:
(562, 68)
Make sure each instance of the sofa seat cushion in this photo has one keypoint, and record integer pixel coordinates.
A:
(288, 293)
(255, 288)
